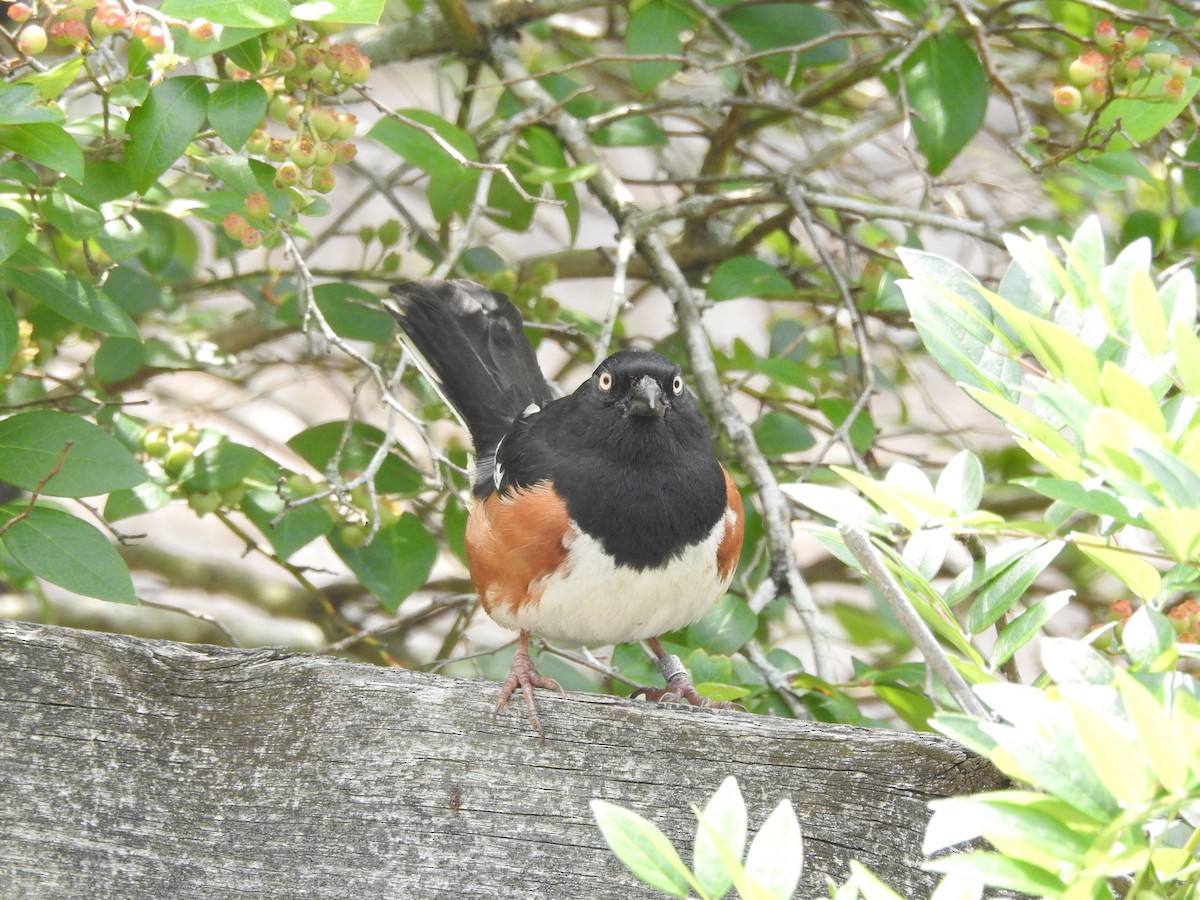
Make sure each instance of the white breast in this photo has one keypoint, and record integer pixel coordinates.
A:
(591, 600)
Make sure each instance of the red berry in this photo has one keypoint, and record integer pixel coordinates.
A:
(252, 238)
(235, 226)
(1105, 34)
(258, 206)
(1137, 39)
(1173, 88)
(1095, 93)
(20, 12)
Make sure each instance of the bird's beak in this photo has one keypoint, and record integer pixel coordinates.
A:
(645, 399)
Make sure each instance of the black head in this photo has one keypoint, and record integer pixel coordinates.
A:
(638, 384)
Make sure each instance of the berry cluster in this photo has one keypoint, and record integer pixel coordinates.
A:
(1122, 66)
(81, 23)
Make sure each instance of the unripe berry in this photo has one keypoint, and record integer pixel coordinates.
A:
(1173, 88)
(327, 28)
(141, 25)
(154, 42)
(257, 205)
(155, 443)
(389, 232)
(20, 12)
(277, 150)
(177, 457)
(287, 174)
(277, 38)
(32, 40)
(1181, 67)
(353, 536)
(323, 180)
(252, 238)
(310, 57)
(326, 154)
(303, 153)
(203, 502)
(285, 60)
(1067, 99)
(73, 13)
(106, 22)
(1105, 34)
(258, 142)
(1158, 56)
(1137, 39)
(201, 30)
(345, 153)
(86, 4)
(235, 226)
(354, 69)
(1095, 93)
(280, 106)
(236, 72)
(1088, 67)
(347, 124)
(323, 121)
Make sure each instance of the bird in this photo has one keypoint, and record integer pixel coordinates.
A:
(599, 517)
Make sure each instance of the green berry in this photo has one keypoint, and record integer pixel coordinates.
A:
(203, 502)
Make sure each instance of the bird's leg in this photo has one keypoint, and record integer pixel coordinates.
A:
(523, 675)
(679, 685)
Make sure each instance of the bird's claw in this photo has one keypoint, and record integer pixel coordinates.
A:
(525, 676)
(680, 689)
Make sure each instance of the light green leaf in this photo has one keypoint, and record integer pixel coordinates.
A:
(1178, 530)
(642, 848)
(1000, 871)
(1115, 754)
(1147, 314)
(838, 505)
(720, 838)
(747, 276)
(1147, 636)
(1137, 574)
(775, 859)
(260, 14)
(67, 551)
(93, 462)
(14, 231)
(1156, 737)
(1018, 821)
(1140, 121)
(161, 128)
(1010, 584)
(1186, 346)
(1072, 662)
(1127, 394)
(960, 485)
(235, 109)
(46, 144)
(350, 12)
(135, 501)
(1021, 630)
(726, 627)
(947, 90)
(395, 563)
(20, 104)
(1034, 433)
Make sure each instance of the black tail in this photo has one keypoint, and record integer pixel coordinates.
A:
(470, 343)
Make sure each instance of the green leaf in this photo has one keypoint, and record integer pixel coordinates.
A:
(947, 90)
(997, 870)
(287, 531)
(222, 466)
(1186, 347)
(720, 837)
(395, 563)
(747, 276)
(631, 131)
(14, 231)
(67, 551)
(349, 12)
(235, 109)
(32, 271)
(642, 848)
(1147, 636)
(261, 14)
(778, 434)
(839, 506)
(1070, 662)
(1157, 739)
(353, 312)
(1137, 574)
(10, 335)
(769, 25)
(73, 218)
(1112, 748)
(161, 128)
(725, 628)
(1097, 501)
(653, 30)
(1028, 824)
(1178, 530)
(51, 83)
(775, 859)
(1021, 630)
(135, 501)
(46, 144)
(911, 706)
(960, 484)
(1140, 121)
(33, 443)
(20, 104)
(319, 444)
(117, 359)
(1009, 585)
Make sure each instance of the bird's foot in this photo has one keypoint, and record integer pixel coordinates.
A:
(525, 676)
(679, 687)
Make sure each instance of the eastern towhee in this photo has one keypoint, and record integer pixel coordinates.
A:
(599, 518)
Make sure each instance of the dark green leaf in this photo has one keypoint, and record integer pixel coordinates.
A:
(947, 91)
(46, 144)
(353, 312)
(1008, 586)
(14, 231)
(633, 131)
(235, 109)
(317, 446)
(246, 14)
(104, 180)
(118, 358)
(778, 434)
(10, 335)
(70, 216)
(36, 274)
(768, 25)
(20, 104)
(747, 276)
(67, 551)
(287, 531)
(395, 563)
(913, 707)
(1021, 630)
(33, 443)
(653, 30)
(861, 431)
(725, 628)
(222, 466)
(162, 127)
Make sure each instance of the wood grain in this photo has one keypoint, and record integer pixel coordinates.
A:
(133, 768)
